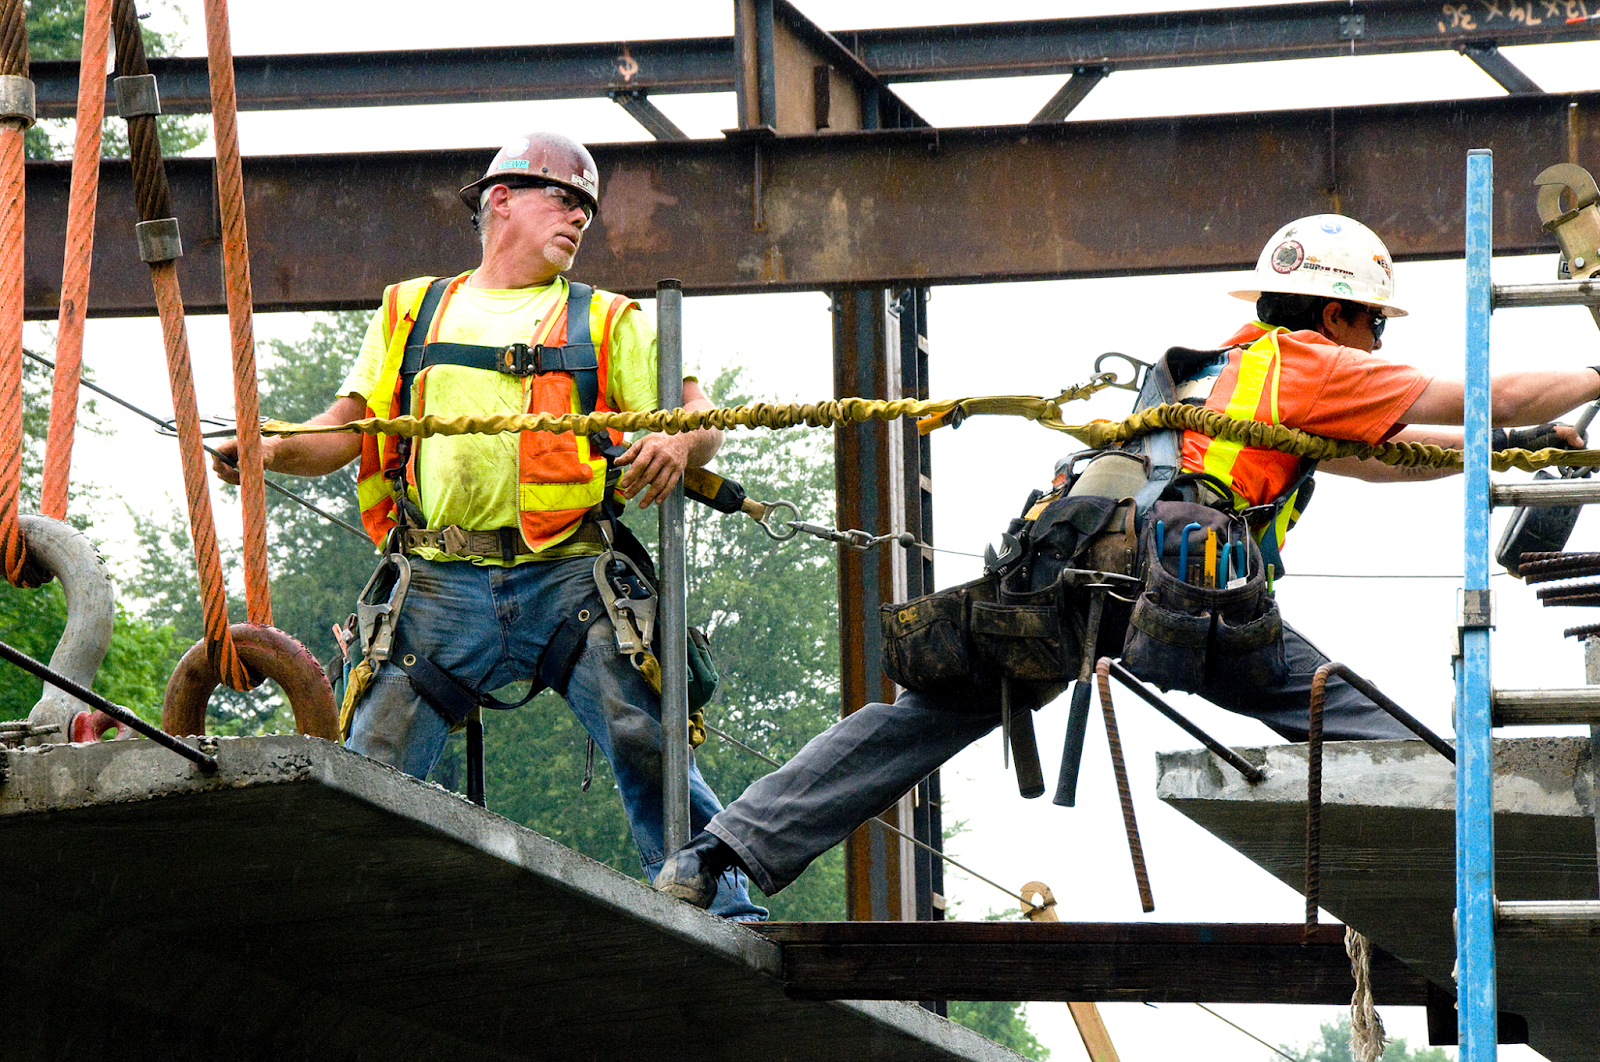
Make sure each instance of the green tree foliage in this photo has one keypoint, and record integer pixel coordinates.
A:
(1333, 1045)
(318, 568)
(133, 674)
(1004, 1023)
(55, 31)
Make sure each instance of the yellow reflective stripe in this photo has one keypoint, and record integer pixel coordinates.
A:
(371, 490)
(1258, 364)
(382, 400)
(557, 497)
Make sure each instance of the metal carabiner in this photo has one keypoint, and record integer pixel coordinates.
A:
(771, 508)
(1138, 367)
(379, 606)
(633, 619)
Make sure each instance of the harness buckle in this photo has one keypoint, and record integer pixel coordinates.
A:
(519, 359)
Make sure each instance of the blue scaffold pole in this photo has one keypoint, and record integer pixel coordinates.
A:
(1475, 990)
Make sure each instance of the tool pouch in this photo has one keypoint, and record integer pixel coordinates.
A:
(1182, 632)
(1025, 635)
(925, 642)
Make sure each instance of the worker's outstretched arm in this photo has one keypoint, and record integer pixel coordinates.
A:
(1518, 397)
(302, 455)
(656, 462)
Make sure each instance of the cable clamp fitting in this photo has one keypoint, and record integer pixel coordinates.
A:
(137, 96)
(16, 100)
(159, 240)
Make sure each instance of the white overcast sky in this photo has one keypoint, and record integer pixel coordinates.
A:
(1396, 631)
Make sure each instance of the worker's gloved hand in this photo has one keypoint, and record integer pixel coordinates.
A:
(1546, 435)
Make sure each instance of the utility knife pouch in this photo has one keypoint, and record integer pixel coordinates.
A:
(1182, 633)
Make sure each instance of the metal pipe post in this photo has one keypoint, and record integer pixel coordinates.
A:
(672, 618)
(1476, 987)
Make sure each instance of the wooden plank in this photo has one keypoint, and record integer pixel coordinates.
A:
(1067, 962)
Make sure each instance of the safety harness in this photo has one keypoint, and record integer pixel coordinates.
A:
(1171, 380)
(624, 572)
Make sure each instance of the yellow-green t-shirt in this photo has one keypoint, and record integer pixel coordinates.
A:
(471, 480)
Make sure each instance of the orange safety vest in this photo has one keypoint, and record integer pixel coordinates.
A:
(1248, 390)
(560, 478)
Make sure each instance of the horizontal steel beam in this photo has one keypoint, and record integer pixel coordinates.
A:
(1145, 961)
(924, 53)
(888, 208)
(1198, 38)
(422, 76)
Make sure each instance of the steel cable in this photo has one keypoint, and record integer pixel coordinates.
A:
(203, 529)
(150, 192)
(79, 253)
(236, 278)
(13, 131)
(151, 195)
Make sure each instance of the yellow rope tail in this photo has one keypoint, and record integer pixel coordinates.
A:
(1044, 411)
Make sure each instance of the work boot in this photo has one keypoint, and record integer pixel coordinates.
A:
(691, 873)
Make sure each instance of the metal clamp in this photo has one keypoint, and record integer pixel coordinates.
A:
(159, 240)
(1475, 610)
(1577, 231)
(16, 100)
(137, 96)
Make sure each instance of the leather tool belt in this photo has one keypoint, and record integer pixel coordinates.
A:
(506, 543)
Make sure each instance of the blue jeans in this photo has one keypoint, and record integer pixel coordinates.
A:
(488, 627)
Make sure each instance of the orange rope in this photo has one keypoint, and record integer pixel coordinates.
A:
(79, 253)
(151, 196)
(236, 276)
(13, 61)
(186, 412)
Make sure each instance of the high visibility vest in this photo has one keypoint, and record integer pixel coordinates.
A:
(560, 478)
(1248, 390)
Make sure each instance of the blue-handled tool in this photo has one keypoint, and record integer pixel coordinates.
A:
(1183, 551)
(1161, 537)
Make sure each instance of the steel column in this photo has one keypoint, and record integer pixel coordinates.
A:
(672, 618)
(928, 826)
(868, 475)
(1476, 989)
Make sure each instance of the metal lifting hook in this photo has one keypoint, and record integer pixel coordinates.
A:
(790, 527)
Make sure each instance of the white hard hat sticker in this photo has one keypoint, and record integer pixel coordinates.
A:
(516, 147)
(1332, 226)
(1288, 256)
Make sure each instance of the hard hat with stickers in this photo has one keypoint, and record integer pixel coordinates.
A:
(1328, 255)
(540, 158)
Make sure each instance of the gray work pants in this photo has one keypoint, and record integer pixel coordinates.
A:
(865, 762)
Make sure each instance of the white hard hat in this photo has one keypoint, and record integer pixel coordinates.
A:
(1328, 255)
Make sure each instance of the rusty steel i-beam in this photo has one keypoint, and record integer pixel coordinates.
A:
(888, 208)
